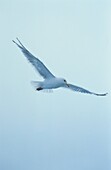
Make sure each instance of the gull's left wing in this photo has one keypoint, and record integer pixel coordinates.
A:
(82, 90)
(39, 66)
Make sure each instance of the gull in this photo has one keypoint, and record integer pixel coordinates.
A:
(50, 81)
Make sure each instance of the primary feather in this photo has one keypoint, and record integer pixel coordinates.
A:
(39, 66)
(82, 90)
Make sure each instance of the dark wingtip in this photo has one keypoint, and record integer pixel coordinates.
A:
(17, 39)
(17, 44)
(105, 94)
(13, 41)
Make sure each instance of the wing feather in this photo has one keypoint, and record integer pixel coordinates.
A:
(82, 90)
(39, 66)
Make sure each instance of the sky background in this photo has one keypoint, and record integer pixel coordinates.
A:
(62, 130)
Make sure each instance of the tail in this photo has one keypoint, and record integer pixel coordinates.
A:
(36, 84)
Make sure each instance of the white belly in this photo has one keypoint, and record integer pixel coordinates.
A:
(51, 83)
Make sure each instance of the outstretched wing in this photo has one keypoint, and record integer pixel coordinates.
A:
(39, 66)
(82, 90)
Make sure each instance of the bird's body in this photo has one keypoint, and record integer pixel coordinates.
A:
(50, 81)
(53, 83)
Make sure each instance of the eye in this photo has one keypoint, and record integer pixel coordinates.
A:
(65, 81)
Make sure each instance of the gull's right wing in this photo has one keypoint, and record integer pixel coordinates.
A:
(39, 66)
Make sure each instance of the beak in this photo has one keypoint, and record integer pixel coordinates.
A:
(67, 84)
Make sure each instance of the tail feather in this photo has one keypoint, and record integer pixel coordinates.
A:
(36, 84)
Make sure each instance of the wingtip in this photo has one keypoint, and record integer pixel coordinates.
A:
(105, 94)
(20, 46)
(13, 41)
(17, 39)
(20, 42)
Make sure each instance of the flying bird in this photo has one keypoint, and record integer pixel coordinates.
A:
(50, 81)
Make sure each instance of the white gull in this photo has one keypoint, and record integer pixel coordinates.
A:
(50, 81)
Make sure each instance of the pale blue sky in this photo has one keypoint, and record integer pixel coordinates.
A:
(62, 130)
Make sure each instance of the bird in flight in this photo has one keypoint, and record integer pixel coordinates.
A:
(50, 81)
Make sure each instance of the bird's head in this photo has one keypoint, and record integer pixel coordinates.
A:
(64, 82)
